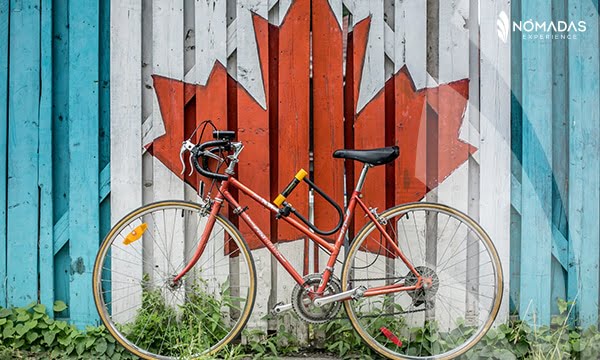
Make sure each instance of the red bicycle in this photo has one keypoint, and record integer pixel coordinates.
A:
(176, 279)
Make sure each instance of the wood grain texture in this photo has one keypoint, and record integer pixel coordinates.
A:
(84, 230)
(46, 240)
(328, 108)
(4, 27)
(536, 184)
(584, 147)
(23, 197)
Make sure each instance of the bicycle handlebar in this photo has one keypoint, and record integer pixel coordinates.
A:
(199, 151)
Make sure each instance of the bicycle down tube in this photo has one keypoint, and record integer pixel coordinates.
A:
(334, 249)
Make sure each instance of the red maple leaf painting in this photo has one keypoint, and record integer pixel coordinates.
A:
(426, 122)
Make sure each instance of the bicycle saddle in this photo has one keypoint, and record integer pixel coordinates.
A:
(373, 156)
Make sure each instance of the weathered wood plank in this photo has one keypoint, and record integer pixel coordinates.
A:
(46, 242)
(494, 147)
(23, 197)
(410, 28)
(60, 133)
(536, 214)
(84, 161)
(369, 96)
(291, 120)
(4, 14)
(126, 130)
(211, 37)
(328, 108)
(584, 147)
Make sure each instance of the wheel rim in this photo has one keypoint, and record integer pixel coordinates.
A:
(135, 295)
(450, 316)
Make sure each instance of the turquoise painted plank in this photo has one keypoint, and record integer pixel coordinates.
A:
(536, 183)
(46, 244)
(3, 143)
(61, 232)
(584, 147)
(60, 144)
(104, 183)
(23, 197)
(84, 149)
(560, 167)
(516, 136)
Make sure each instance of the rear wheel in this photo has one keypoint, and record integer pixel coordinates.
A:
(455, 309)
(155, 318)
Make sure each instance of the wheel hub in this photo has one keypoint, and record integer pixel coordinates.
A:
(429, 285)
(303, 297)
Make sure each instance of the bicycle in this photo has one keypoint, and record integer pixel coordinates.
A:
(191, 294)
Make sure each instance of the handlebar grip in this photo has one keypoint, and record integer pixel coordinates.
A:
(197, 152)
(300, 175)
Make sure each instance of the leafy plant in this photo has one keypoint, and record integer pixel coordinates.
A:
(29, 332)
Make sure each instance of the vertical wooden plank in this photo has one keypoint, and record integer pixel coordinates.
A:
(536, 212)
(516, 157)
(494, 149)
(560, 151)
(83, 146)
(104, 110)
(369, 107)
(410, 60)
(46, 242)
(126, 130)
(252, 71)
(23, 197)
(584, 147)
(4, 12)
(293, 107)
(60, 142)
(328, 110)
(168, 63)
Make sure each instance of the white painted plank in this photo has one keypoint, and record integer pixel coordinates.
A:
(211, 37)
(410, 39)
(249, 73)
(337, 9)
(495, 151)
(168, 60)
(373, 73)
(453, 40)
(126, 139)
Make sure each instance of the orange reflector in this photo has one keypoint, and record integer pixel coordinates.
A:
(136, 234)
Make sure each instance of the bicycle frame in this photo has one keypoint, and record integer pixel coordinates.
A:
(225, 195)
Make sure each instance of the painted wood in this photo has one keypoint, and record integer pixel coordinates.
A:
(4, 27)
(410, 39)
(536, 183)
(495, 138)
(23, 197)
(584, 147)
(46, 242)
(126, 140)
(291, 117)
(83, 148)
(211, 37)
(328, 110)
(60, 132)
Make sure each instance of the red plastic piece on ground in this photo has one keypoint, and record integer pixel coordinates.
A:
(388, 334)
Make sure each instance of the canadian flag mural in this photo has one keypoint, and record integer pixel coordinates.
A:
(267, 100)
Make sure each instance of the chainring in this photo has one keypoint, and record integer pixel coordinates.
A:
(422, 295)
(303, 304)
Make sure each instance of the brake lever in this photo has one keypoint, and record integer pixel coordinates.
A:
(186, 146)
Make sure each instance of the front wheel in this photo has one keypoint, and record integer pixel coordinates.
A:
(156, 318)
(460, 301)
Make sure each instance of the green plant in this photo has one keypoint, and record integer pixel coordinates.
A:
(29, 332)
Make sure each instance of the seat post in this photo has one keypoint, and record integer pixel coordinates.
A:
(362, 177)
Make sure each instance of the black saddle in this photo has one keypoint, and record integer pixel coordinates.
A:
(373, 156)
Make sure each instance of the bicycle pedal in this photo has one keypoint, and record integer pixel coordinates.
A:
(280, 308)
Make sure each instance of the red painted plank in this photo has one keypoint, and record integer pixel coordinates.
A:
(293, 108)
(369, 127)
(328, 110)
(253, 131)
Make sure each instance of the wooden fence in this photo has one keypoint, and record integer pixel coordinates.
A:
(54, 136)
(555, 232)
(419, 74)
